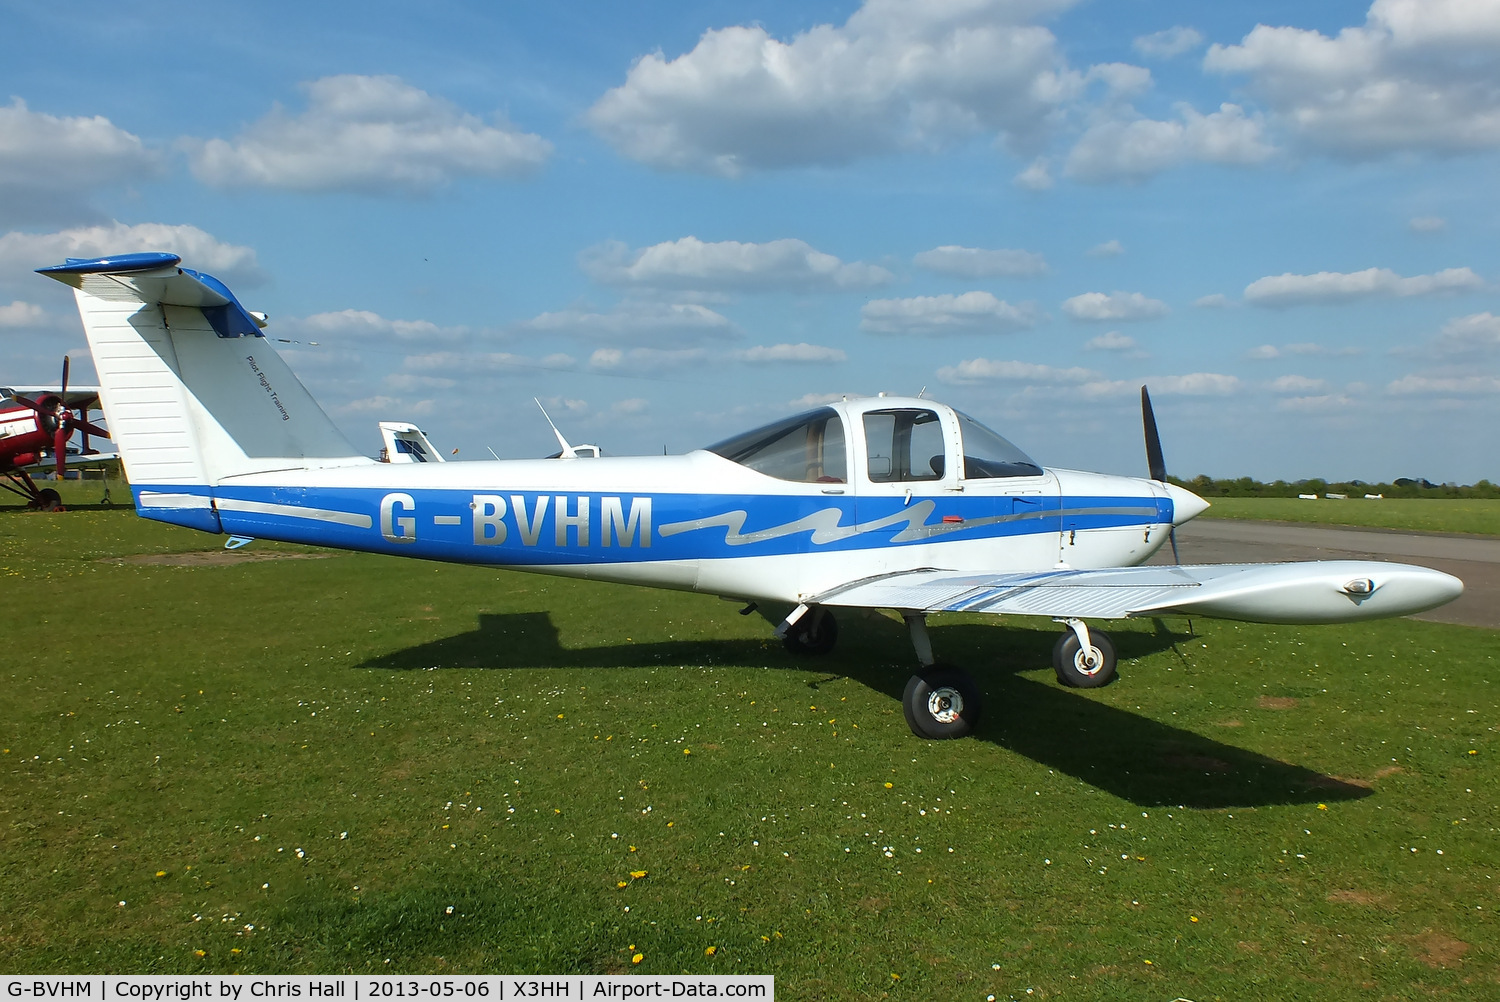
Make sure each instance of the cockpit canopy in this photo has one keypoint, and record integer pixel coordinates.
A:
(902, 444)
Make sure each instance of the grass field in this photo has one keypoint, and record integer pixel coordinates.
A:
(1458, 515)
(325, 762)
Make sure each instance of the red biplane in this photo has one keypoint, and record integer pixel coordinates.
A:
(34, 433)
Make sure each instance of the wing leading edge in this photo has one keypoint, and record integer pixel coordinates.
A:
(1322, 591)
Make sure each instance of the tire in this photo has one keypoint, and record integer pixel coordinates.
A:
(1072, 667)
(48, 499)
(814, 635)
(941, 702)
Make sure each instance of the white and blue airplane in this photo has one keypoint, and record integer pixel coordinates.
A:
(874, 502)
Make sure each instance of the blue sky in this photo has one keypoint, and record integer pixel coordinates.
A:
(670, 222)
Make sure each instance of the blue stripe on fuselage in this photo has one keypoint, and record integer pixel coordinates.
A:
(530, 528)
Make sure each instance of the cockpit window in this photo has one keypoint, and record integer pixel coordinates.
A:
(807, 448)
(905, 444)
(987, 454)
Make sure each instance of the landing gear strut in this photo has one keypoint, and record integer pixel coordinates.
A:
(811, 631)
(940, 701)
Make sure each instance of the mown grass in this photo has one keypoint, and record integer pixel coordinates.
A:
(1240, 809)
(1420, 514)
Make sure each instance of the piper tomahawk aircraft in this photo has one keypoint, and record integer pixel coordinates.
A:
(877, 502)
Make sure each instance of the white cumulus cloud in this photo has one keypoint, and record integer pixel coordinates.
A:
(968, 313)
(365, 325)
(894, 76)
(1109, 248)
(19, 314)
(48, 163)
(1131, 149)
(976, 262)
(1418, 385)
(1477, 331)
(690, 263)
(1418, 75)
(802, 352)
(632, 321)
(1111, 341)
(1122, 306)
(985, 370)
(1334, 287)
(1291, 383)
(1428, 224)
(374, 134)
(1166, 44)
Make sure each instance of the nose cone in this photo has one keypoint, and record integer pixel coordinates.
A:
(1185, 504)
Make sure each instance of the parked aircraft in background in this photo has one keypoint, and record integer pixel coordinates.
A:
(36, 425)
(877, 502)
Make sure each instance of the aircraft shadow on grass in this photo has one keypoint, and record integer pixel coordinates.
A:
(1138, 759)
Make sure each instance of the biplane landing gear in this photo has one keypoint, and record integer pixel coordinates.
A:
(813, 633)
(1083, 658)
(940, 701)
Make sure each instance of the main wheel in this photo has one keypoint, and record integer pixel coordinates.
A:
(814, 634)
(941, 702)
(48, 499)
(1084, 669)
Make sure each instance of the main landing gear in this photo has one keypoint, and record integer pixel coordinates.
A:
(1083, 658)
(943, 701)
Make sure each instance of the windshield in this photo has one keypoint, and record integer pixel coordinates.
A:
(987, 454)
(807, 448)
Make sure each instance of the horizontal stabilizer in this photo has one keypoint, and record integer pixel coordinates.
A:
(1322, 591)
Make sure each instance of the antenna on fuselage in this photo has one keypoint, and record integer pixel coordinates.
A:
(567, 450)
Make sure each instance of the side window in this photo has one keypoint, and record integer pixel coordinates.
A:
(904, 445)
(808, 448)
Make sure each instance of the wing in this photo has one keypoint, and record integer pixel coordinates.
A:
(1322, 591)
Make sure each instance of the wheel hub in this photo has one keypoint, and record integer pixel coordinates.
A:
(945, 704)
(1089, 660)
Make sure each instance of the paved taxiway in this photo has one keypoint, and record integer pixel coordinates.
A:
(1473, 559)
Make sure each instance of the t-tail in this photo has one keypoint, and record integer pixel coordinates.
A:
(194, 395)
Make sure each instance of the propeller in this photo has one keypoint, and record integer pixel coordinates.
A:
(57, 420)
(1154, 461)
(60, 436)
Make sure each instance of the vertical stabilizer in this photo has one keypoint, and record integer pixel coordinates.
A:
(193, 393)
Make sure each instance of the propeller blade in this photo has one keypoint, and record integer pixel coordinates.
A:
(1172, 538)
(60, 447)
(29, 403)
(91, 428)
(1154, 461)
(64, 391)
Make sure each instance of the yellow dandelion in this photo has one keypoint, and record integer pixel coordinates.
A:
(1193, 918)
(687, 751)
(889, 785)
(622, 883)
(1149, 962)
(559, 716)
(710, 951)
(1322, 807)
(637, 958)
(161, 873)
(637, 874)
(234, 949)
(895, 976)
(199, 953)
(1473, 751)
(670, 823)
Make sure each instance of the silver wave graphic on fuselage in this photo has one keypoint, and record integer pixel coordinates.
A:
(825, 524)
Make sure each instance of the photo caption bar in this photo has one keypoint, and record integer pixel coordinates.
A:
(369, 988)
